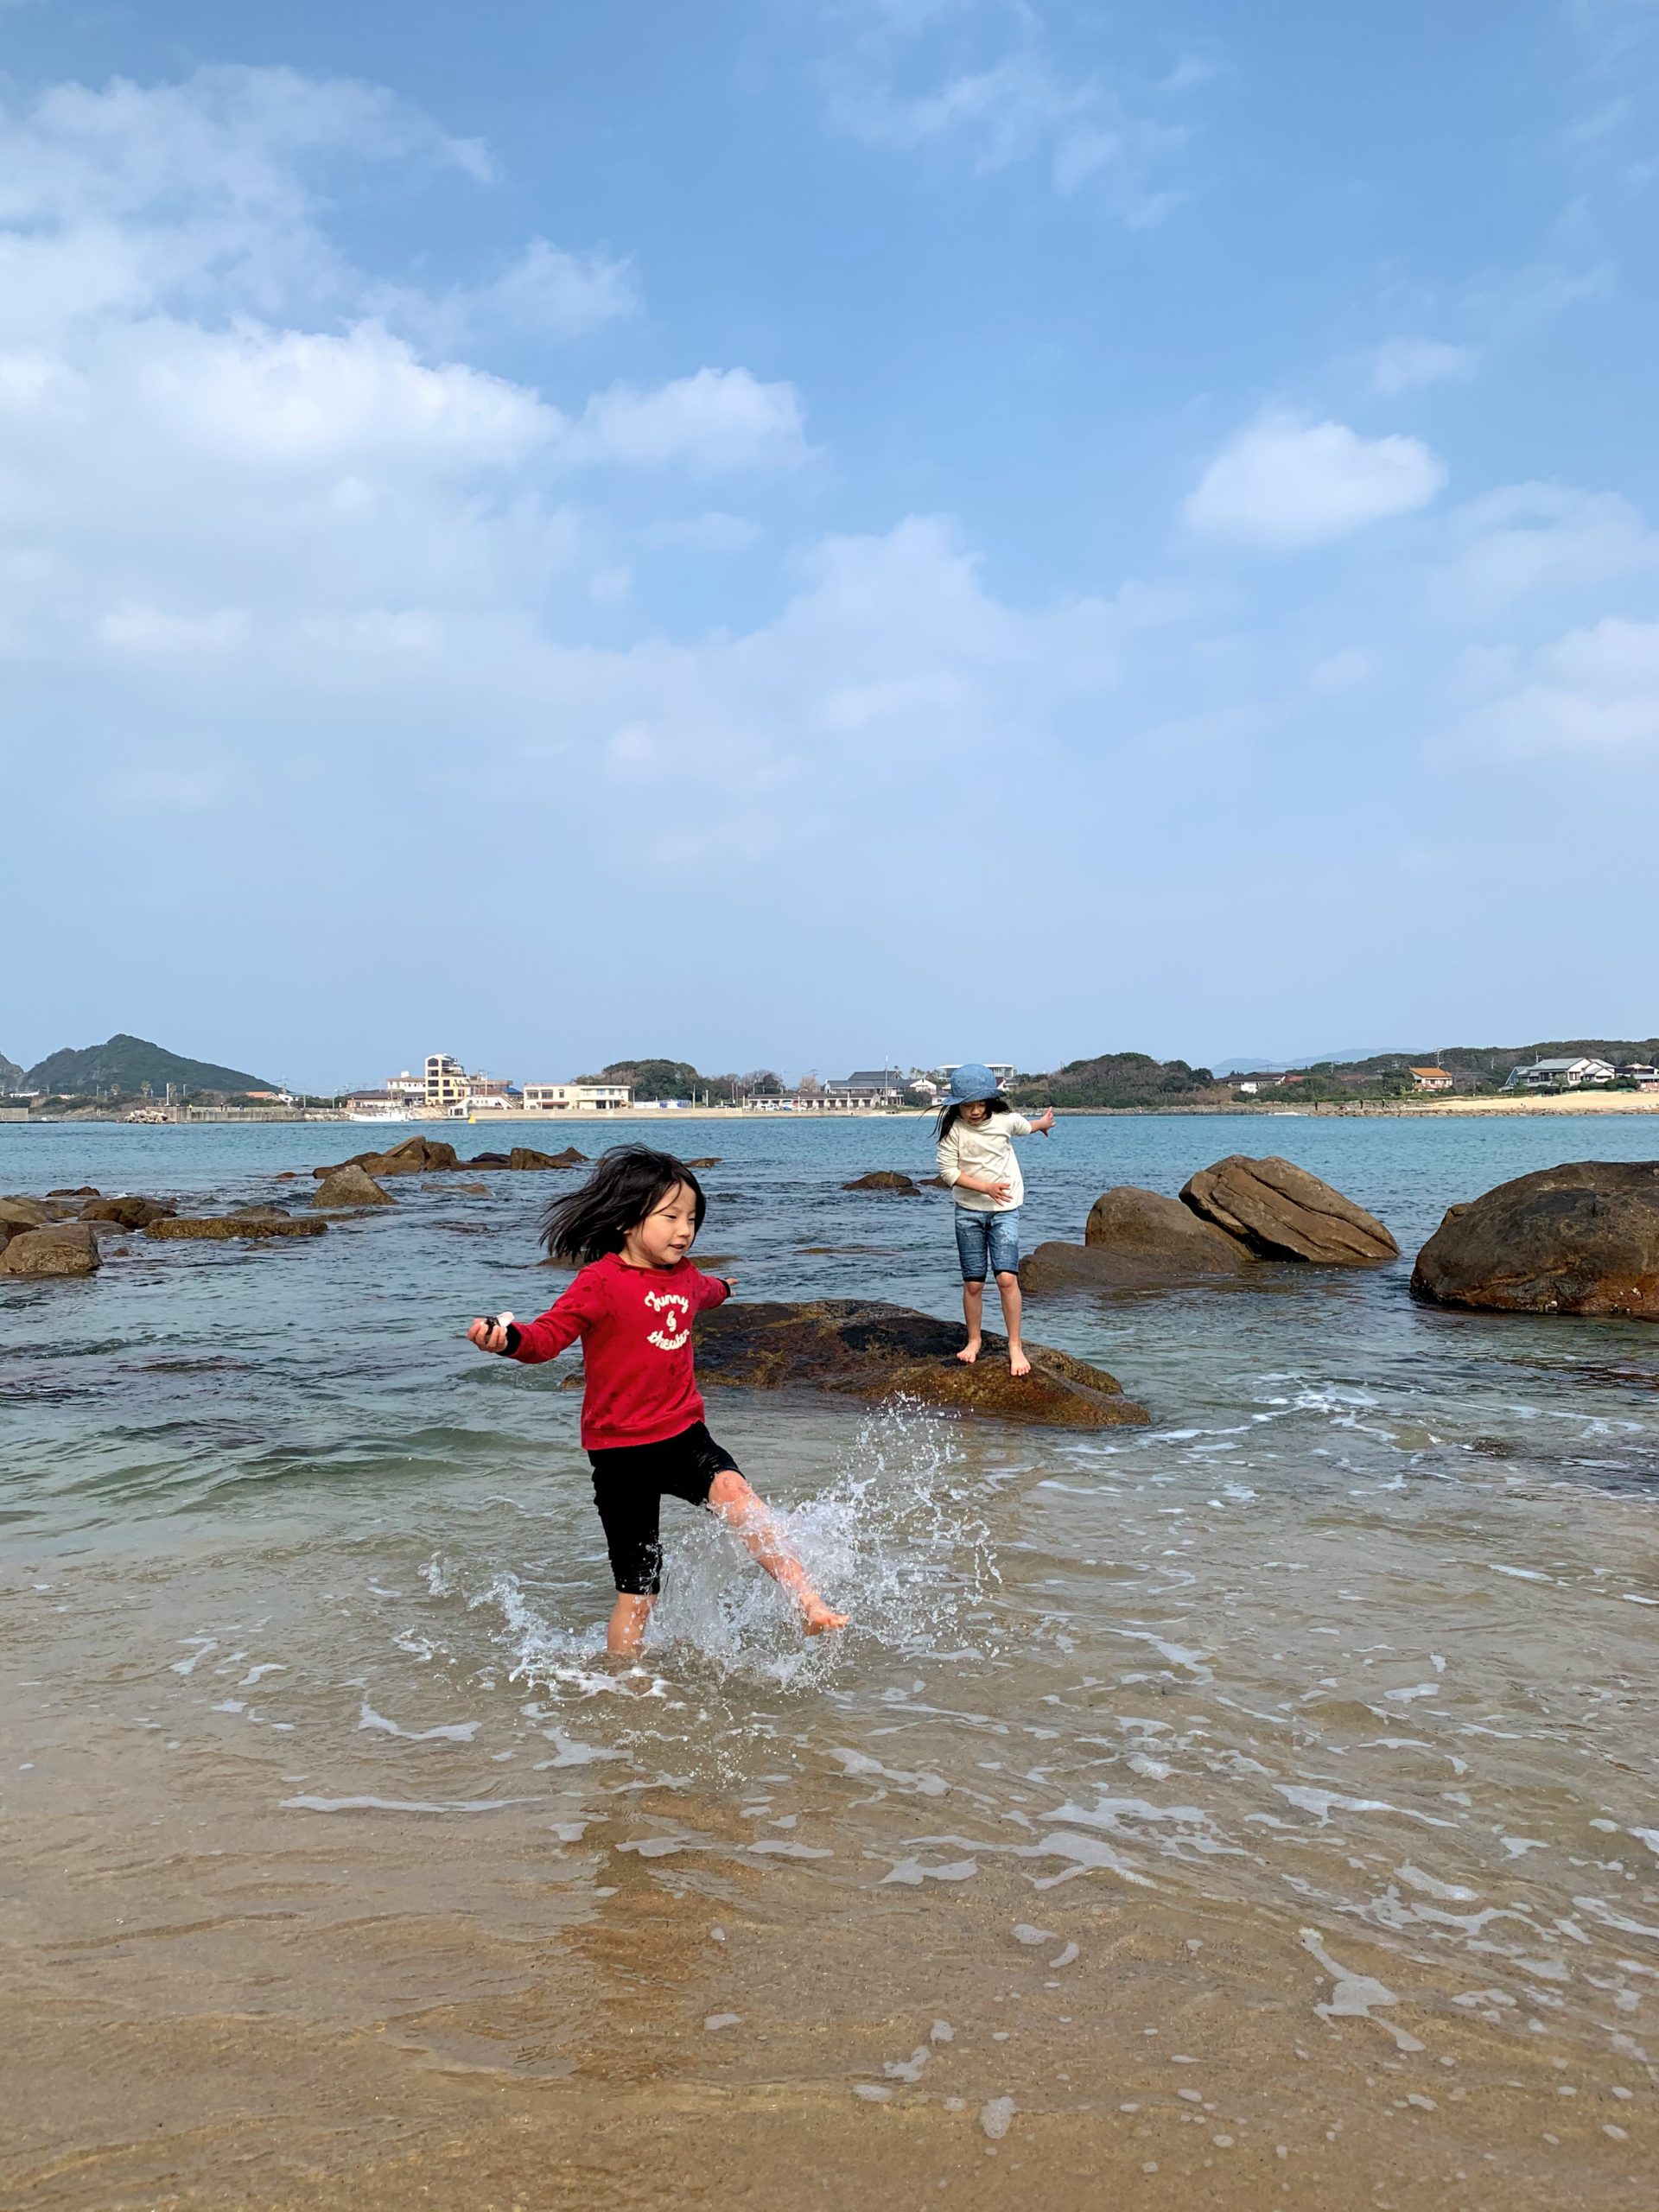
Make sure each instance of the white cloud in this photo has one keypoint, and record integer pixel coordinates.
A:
(1286, 480)
(719, 419)
(1531, 539)
(1595, 691)
(151, 630)
(1408, 364)
(712, 531)
(544, 293)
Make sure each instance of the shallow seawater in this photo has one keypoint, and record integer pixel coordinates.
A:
(1259, 1807)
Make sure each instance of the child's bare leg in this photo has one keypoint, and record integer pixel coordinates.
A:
(731, 1498)
(626, 1636)
(973, 1312)
(1013, 1307)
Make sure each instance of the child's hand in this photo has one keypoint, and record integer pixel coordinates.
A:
(1001, 1191)
(1044, 1123)
(488, 1338)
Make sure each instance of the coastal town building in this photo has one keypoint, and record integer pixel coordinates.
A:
(868, 1087)
(1430, 1079)
(576, 1097)
(1644, 1077)
(1560, 1075)
(447, 1082)
(1004, 1070)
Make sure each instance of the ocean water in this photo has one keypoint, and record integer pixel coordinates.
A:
(1262, 1804)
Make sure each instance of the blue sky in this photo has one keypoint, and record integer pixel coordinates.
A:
(799, 532)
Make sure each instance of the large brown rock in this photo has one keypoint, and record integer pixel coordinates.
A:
(886, 1179)
(23, 1213)
(130, 1212)
(1136, 1240)
(350, 1186)
(860, 1348)
(67, 1248)
(1281, 1213)
(1582, 1238)
(526, 1157)
(221, 1228)
(414, 1156)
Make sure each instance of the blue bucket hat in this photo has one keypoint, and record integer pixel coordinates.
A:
(971, 1081)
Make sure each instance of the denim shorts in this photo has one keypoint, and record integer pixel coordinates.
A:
(983, 1238)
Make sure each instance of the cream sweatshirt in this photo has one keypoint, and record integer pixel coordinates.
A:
(984, 1149)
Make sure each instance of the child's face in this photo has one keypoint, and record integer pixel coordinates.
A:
(665, 1234)
(976, 1109)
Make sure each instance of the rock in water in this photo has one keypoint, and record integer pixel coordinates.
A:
(414, 1156)
(861, 1349)
(351, 1186)
(130, 1212)
(1281, 1213)
(221, 1228)
(69, 1248)
(23, 1213)
(526, 1156)
(1582, 1238)
(886, 1178)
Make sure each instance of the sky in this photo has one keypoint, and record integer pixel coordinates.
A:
(812, 533)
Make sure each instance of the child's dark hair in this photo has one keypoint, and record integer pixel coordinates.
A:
(627, 1183)
(952, 1113)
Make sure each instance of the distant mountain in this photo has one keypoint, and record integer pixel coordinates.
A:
(11, 1075)
(1240, 1064)
(124, 1065)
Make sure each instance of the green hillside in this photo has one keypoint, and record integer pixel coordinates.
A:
(11, 1075)
(125, 1064)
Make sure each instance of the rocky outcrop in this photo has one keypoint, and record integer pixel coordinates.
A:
(486, 1159)
(414, 1156)
(1281, 1213)
(525, 1156)
(1582, 1238)
(713, 1162)
(23, 1213)
(1136, 1240)
(80, 1190)
(860, 1348)
(254, 1222)
(886, 1179)
(67, 1248)
(131, 1213)
(349, 1187)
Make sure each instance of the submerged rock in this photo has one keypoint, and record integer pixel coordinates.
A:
(221, 1228)
(1281, 1213)
(886, 1179)
(714, 1162)
(67, 1248)
(1581, 1238)
(862, 1349)
(351, 1186)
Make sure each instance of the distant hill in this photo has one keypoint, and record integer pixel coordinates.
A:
(125, 1064)
(663, 1079)
(1118, 1079)
(11, 1075)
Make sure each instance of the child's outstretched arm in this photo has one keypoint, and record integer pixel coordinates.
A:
(531, 1341)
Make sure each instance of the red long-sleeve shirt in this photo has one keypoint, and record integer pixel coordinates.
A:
(635, 1326)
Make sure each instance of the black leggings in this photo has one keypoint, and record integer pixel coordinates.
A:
(630, 1482)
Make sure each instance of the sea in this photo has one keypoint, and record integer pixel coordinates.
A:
(1255, 1809)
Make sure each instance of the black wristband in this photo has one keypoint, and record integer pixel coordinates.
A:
(514, 1340)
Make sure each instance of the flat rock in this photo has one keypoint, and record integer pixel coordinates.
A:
(221, 1228)
(23, 1213)
(351, 1186)
(66, 1248)
(1281, 1213)
(1581, 1238)
(473, 1190)
(486, 1159)
(861, 1348)
(130, 1212)
(886, 1178)
(1160, 1234)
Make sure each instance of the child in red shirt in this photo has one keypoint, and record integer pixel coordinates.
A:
(633, 1305)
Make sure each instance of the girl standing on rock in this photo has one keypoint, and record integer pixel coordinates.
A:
(632, 1225)
(977, 1159)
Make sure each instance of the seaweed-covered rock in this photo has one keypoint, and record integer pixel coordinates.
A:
(66, 1248)
(1284, 1213)
(1581, 1238)
(222, 1228)
(130, 1212)
(349, 1187)
(861, 1349)
(886, 1179)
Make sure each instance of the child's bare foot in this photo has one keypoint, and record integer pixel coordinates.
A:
(970, 1351)
(1018, 1363)
(817, 1619)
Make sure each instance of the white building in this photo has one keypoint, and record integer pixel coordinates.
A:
(1560, 1075)
(1004, 1070)
(576, 1097)
(868, 1087)
(1430, 1079)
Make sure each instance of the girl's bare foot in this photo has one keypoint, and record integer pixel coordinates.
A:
(817, 1619)
(1018, 1363)
(970, 1351)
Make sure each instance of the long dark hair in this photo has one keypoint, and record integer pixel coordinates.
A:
(627, 1183)
(952, 1113)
